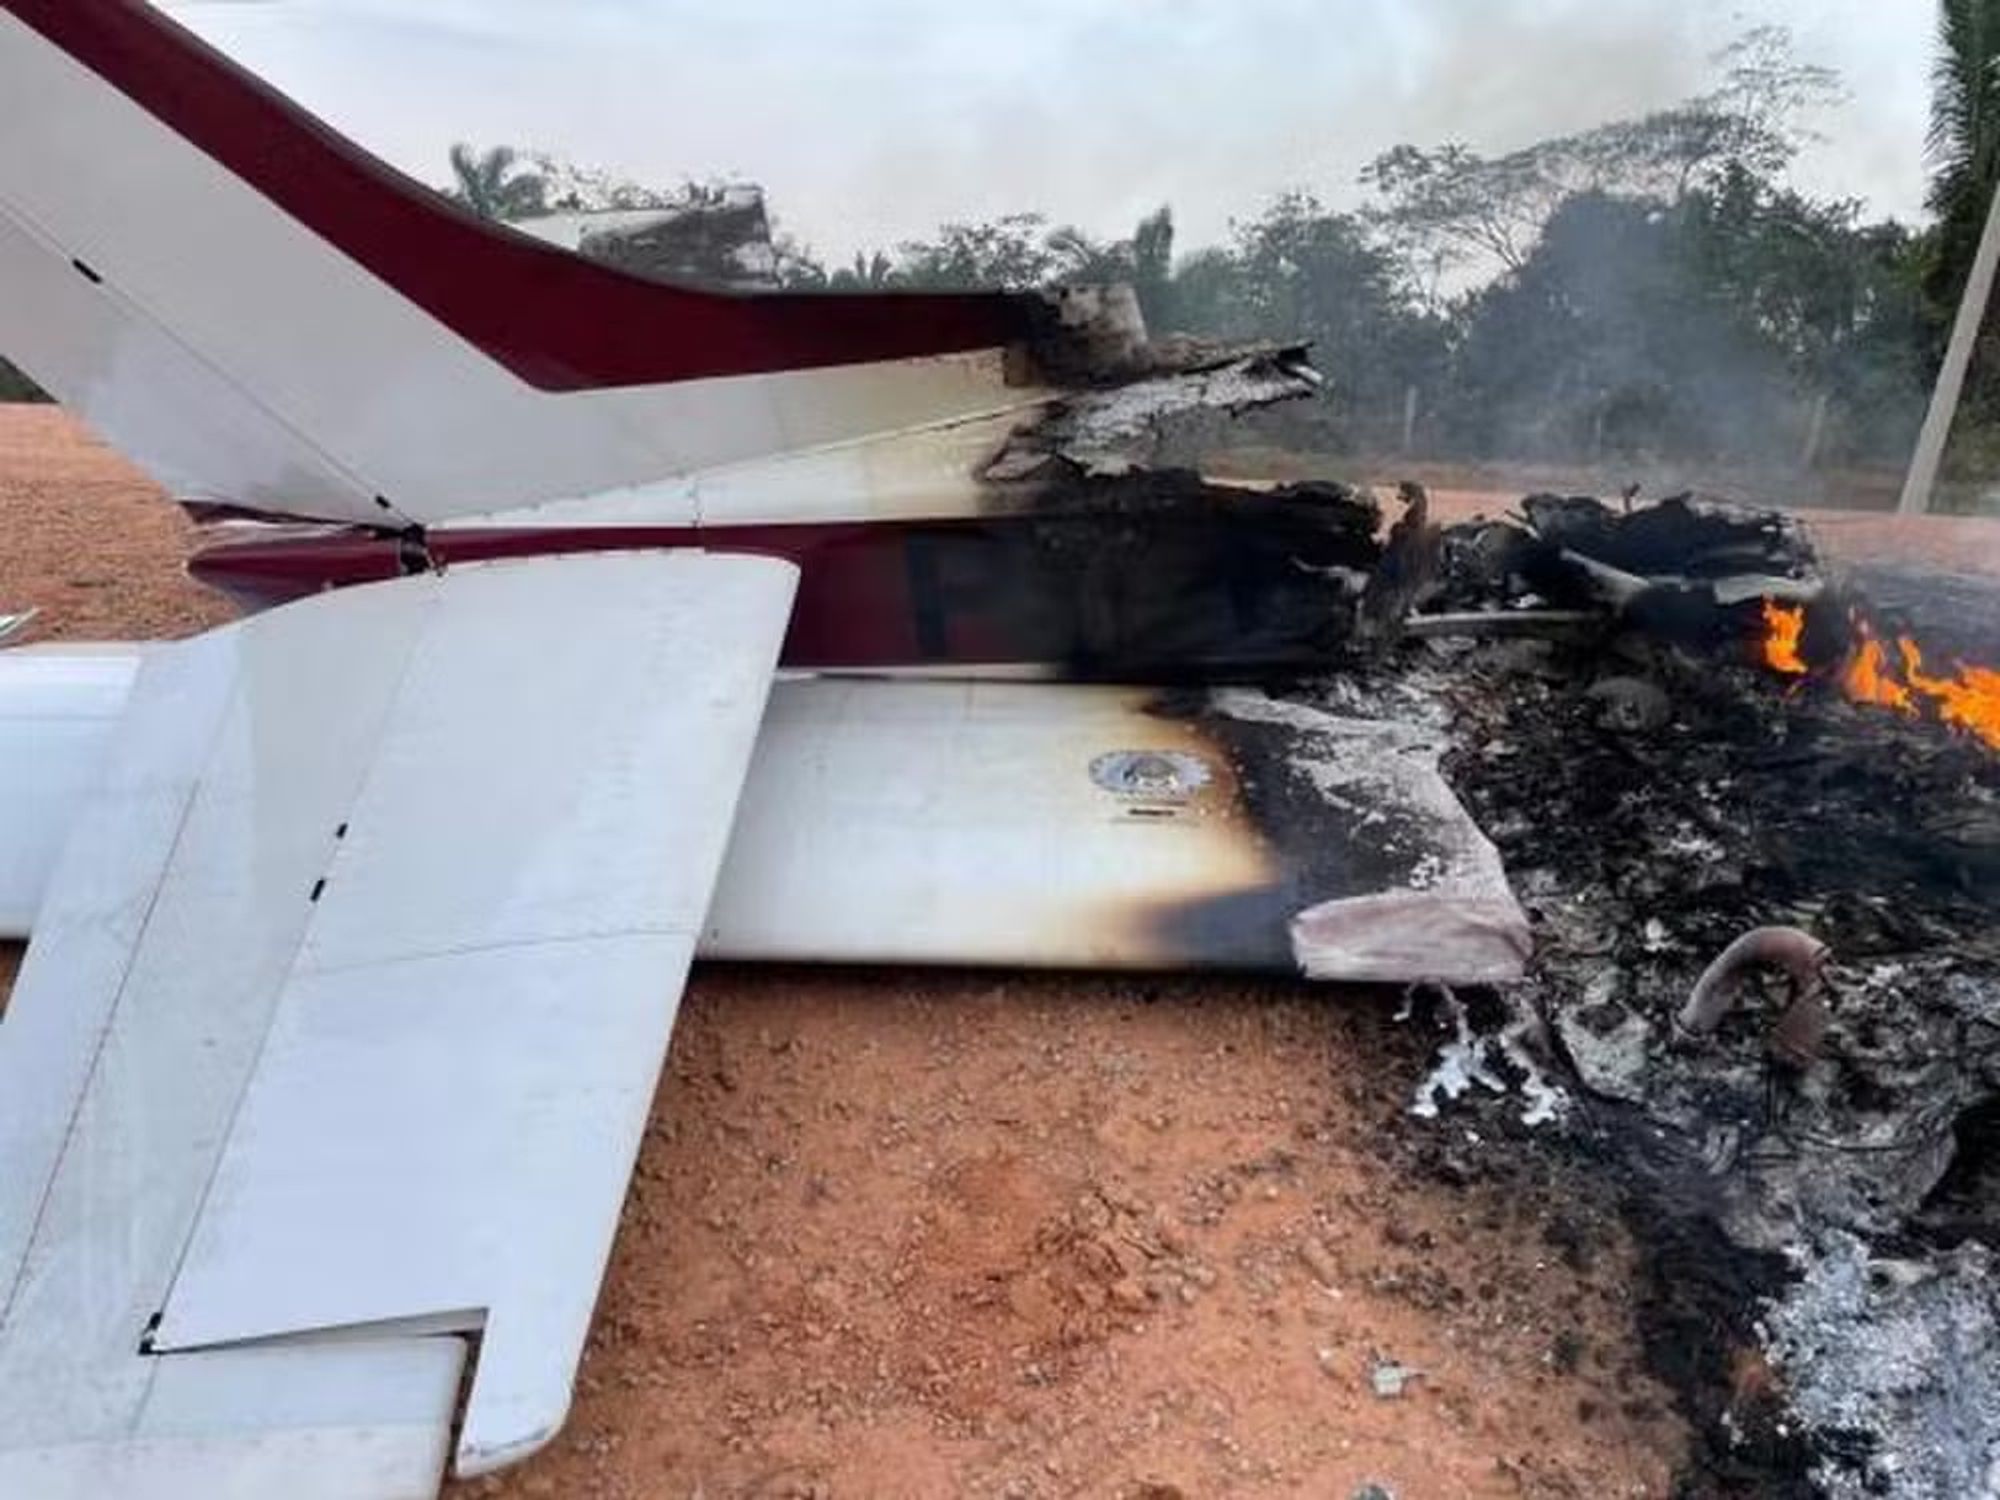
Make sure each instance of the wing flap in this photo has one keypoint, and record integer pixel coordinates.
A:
(377, 923)
(446, 1132)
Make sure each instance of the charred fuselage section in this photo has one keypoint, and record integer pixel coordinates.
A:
(1087, 543)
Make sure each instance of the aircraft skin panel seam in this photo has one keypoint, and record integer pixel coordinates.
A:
(503, 945)
(26, 222)
(98, 1045)
(427, 605)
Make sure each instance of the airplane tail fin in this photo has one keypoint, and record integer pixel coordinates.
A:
(266, 316)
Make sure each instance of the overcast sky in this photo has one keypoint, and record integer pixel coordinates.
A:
(870, 121)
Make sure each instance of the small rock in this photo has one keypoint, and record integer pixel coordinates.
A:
(1319, 1262)
(1128, 1294)
(1373, 1491)
(1629, 704)
(1389, 1379)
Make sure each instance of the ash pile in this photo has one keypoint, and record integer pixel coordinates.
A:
(1757, 832)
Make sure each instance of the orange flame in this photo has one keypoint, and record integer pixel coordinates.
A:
(1868, 677)
(1969, 698)
(1782, 629)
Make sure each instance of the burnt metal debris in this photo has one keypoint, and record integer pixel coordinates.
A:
(1377, 872)
(1766, 965)
(1800, 1026)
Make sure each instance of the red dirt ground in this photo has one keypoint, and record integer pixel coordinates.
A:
(925, 1233)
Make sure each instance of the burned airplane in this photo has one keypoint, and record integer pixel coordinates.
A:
(358, 927)
(597, 623)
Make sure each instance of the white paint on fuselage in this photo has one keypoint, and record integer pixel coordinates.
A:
(925, 473)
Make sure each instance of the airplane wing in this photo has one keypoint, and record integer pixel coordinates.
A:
(1016, 823)
(329, 1061)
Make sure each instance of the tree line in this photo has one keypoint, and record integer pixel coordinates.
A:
(1652, 286)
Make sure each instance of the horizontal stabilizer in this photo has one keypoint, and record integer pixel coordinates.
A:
(343, 1014)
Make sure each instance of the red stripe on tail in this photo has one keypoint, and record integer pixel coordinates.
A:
(559, 322)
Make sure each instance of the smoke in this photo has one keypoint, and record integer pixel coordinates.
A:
(873, 122)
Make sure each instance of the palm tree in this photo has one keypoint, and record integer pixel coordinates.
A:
(1964, 142)
(874, 270)
(491, 186)
(1153, 268)
(1964, 148)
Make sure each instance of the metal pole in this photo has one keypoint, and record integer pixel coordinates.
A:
(1922, 478)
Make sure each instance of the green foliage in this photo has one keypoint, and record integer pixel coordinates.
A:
(1964, 140)
(1011, 251)
(1588, 340)
(565, 187)
(1449, 206)
(871, 272)
(1835, 299)
(1648, 285)
(495, 183)
(1704, 328)
(1015, 252)
(1300, 271)
(1964, 151)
